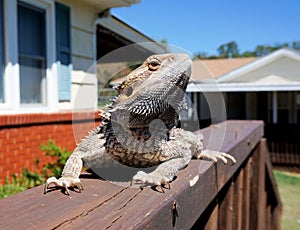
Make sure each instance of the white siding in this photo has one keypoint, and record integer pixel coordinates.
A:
(285, 68)
(83, 31)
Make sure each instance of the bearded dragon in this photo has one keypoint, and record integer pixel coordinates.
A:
(138, 129)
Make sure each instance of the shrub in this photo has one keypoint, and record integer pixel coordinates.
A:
(29, 179)
(61, 156)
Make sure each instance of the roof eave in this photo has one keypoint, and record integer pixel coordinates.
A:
(242, 87)
(106, 4)
(119, 27)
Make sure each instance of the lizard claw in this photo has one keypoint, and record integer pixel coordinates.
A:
(215, 155)
(64, 182)
(152, 179)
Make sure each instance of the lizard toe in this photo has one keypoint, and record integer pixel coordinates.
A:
(151, 179)
(51, 180)
(64, 182)
(215, 155)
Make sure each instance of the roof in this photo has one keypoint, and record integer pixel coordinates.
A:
(123, 29)
(214, 68)
(276, 56)
(207, 69)
(105, 4)
(278, 71)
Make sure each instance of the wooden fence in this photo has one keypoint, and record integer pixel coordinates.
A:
(284, 144)
(203, 196)
(284, 154)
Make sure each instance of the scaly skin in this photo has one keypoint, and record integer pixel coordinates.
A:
(138, 129)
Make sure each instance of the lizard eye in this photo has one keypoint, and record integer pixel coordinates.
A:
(153, 65)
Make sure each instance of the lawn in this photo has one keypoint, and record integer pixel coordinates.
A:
(289, 189)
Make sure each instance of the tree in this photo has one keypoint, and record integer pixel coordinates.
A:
(233, 50)
(263, 50)
(229, 50)
(296, 45)
(260, 50)
(222, 50)
(164, 42)
(200, 55)
(248, 54)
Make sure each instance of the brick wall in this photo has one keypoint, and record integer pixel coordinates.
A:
(22, 134)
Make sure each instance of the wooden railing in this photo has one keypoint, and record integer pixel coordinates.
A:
(203, 196)
(284, 154)
(283, 145)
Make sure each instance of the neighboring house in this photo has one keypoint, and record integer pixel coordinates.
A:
(266, 88)
(46, 50)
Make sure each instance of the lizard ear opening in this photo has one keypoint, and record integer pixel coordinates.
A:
(129, 91)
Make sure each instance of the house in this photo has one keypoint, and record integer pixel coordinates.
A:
(48, 86)
(266, 88)
(56, 43)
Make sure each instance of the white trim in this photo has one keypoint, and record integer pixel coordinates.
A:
(241, 87)
(111, 3)
(43, 4)
(95, 44)
(51, 71)
(260, 63)
(195, 103)
(124, 31)
(113, 25)
(11, 72)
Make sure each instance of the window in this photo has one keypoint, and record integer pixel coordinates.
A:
(63, 50)
(27, 56)
(284, 107)
(1, 52)
(236, 105)
(32, 54)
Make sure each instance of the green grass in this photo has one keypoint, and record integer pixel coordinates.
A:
(289, 190)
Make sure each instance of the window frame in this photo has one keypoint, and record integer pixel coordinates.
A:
(11, 70)
(29, 56)
(2, 49)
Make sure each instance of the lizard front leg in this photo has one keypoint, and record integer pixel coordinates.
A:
(163, 174)
(90, 147)
(183, 145)
(177, 153)
(70, 174)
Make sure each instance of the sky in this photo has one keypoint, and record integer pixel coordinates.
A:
(202, 25)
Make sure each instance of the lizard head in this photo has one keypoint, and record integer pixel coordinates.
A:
(155, 88)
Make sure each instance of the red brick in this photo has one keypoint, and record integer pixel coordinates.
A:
(21, 146)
